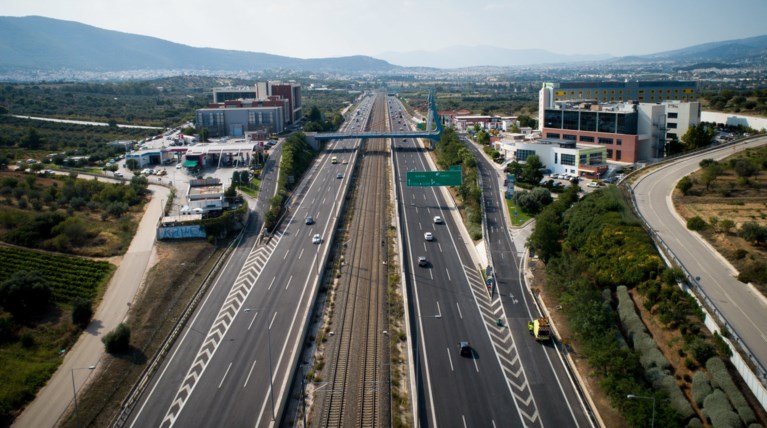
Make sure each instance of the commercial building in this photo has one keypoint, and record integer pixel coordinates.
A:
(610, 92)
(235, 118)
(630, 132)
(204, 196)
(560, 156)
(291, 92)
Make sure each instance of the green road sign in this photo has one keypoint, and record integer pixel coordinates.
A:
(434, 178)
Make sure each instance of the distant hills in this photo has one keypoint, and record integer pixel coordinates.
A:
(474, 56)
(46, 47)
(38, 43)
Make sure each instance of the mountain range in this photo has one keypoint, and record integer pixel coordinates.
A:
(35, 43)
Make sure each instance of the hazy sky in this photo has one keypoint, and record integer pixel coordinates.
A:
(324, 28)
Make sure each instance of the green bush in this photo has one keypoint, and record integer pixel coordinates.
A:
(82, 312)
(720, 378)
(677, 400)
(694, 423)
(696, 223)
(701, 349)
(701, 387)
(117, 341)
(684, 185)
(719, 412)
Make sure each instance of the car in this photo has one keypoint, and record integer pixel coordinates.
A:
(339, 175)
(345, 162)
(162, 172)
(555, 176)
(198, 210)
(428, 236)
(119, 174)
(437, 219)
(310, 220)
(178, 166)
(593, 184)
(316, 239)
(422, 261)
(464, 349)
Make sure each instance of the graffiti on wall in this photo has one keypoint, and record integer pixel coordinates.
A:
(181, 232)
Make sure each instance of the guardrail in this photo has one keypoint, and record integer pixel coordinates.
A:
(751, 369)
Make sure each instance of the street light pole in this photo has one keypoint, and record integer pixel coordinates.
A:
(652, 419)
(74, 390)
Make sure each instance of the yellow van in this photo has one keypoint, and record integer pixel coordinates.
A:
(334, 159)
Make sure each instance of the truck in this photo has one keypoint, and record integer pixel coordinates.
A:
(540, 329)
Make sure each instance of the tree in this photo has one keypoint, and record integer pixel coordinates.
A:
(32, 140)
(117, 341)
(25, 294)
(483, 137)
(82, 312)
(710, 174)
(753, 233)
(698, 136)
(532, 171)
(204, 135)
(726, 225)
(527, 121)
(132, 164)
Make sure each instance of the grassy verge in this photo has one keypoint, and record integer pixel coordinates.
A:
(251, 190)
(518, 217)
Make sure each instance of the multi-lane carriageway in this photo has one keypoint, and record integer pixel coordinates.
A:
(232, 365)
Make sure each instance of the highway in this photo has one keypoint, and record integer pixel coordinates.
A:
(233, 363)
(743, 307)
(556, 399)
(449, 304)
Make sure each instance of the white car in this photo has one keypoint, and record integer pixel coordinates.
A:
(119, 174)
(178, 166)
(428, 236)
(593, 184)
(316, 239)
(437, 219)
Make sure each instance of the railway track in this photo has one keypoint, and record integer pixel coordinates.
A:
(357, 394)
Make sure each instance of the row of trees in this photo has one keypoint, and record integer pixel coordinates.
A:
(451, 152)
(296, 158)
(316, 121)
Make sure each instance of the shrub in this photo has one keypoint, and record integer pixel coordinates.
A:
(701, 350)
(677, 400)
(117, 341)
(753, 233)
(696, 223)
(701, 387)
(25, 294)
(684, 185)
(718, 410)
(695, 423)
(755, 271)
(720, 378)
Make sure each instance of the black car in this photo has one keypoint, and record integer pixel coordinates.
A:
(309, 220)
(464, 348)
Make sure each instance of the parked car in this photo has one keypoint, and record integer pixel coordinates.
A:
(119, 174)
(178, 166)
(593, 184)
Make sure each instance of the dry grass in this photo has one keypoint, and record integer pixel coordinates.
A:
(170, 285)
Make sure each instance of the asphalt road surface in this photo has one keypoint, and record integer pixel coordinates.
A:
(744, 308)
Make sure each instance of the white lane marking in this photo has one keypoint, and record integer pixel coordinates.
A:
(225, 373)
(440, 247)
(450, 359)
(274, 316)
(424, 247)
(448, 274)
(300, 254)
(286, 255)
(271, 283)
(249, 373)
(431, 274)
(419, 226)
(463, 418)
(475, 361)
(251, 321)
(459, 310)
(439, 311)
(323, 201)
(286, 287)
(493, 421)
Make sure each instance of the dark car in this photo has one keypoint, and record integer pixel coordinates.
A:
(309, 220)
(464, 348)
(422, 261)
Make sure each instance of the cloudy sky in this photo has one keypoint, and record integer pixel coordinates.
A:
(325, 28)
